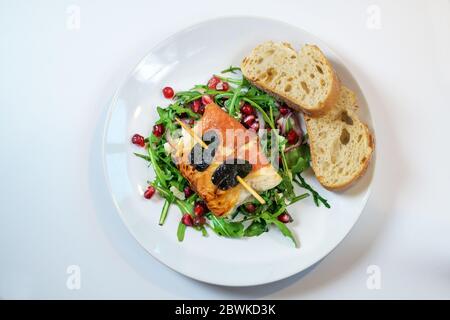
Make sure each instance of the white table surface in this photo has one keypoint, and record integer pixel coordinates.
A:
(55, 86)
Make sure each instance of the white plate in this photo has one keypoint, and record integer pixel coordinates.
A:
(191, 57)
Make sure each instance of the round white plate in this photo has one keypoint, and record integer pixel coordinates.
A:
(191, 57)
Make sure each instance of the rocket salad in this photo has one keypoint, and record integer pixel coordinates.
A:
(257, 111)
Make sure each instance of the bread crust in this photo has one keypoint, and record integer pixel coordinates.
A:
(359, 174)
(321, 108)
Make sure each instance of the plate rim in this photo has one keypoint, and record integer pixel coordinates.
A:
(113, 105)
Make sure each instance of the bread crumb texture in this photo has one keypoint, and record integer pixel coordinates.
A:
(341, 145)
(305, 80)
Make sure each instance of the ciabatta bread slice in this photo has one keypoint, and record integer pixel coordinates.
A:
(305, 80)
(341, 145)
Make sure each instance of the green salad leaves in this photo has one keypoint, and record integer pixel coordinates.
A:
(294, 159)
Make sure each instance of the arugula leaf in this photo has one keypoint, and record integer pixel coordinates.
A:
(232, 103)
(280, 210)
(284, 230)
(271, 219)
(298, 198)
(231, 69)
(204, 232)
(185, 97)
(182, 110)
(286, 173)
(256, 228)
(165, 209)
(160, 175)
(181, 231)
(167, 116)
(143, 156)
(224, 227)
(298, 159)
(316, 196)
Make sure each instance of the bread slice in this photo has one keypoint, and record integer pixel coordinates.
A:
(305, 80)
(341, 145)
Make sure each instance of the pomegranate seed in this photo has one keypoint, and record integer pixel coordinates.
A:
(248, 120)
(149, 192)
(247, 109)
(222, 86)
(138, 140)
(285, 217)
(250, 207)
(187, 219)
(188, 121)
(196, 105)
(206, 99)
(158, 130)
(255, 126)
(199, 221)
(199, 209)
(219, 86)
(188, 192)
(212, 83)
(292, 136)
(284, 110)
(168, 92)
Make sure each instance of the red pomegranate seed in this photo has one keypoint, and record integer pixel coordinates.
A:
(222, 86)
(188, 121)
(255, 126)
(138, 140)
(248, 120)
(292, 136)
(250, 207)
(187, 219)
(196, 105)
(219, 86)
(199, 221)
(206, 99)
(149, 192)
(284, 110)
(212, 83)
(158, 130)
(247, 109)
(285, 217)
(168, 92)
(188, 192)
(199, 209)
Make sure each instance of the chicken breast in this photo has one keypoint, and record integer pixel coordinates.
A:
(231, 141)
